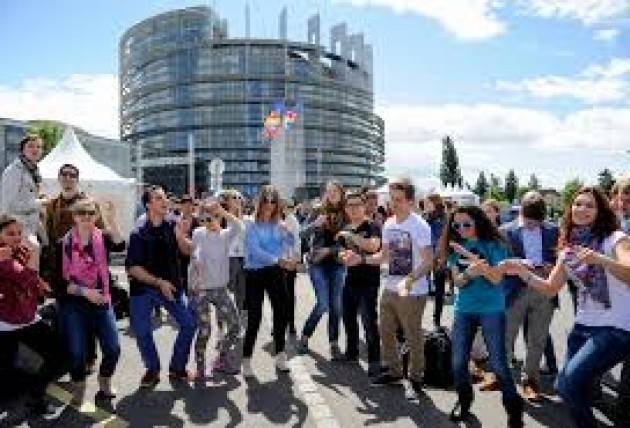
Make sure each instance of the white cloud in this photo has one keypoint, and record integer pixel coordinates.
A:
(495, 138)
(588, 12)
(87, 101)
(606, 35)
(597, 84)
(466, 19)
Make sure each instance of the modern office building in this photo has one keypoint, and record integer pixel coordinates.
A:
(109, 152)
(188, 91)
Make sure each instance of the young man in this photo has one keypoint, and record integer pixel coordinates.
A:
(535, 241)
(361, 238)
(155, 280)
(407, 248)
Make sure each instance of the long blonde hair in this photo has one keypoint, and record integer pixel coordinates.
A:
(268, 191)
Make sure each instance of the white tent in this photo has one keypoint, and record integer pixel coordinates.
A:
(460, 196)
(95, 179)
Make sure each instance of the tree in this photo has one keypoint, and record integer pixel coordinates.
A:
(50, 132)
(570, 189)
(481, 186)
(450, 173)
(606, 180)
(496, 192)
(533, 183)
(511, 186)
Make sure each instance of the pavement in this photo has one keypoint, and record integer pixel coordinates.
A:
(316, 393)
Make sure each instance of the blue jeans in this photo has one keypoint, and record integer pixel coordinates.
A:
(142, 306)
(591, 351)
(328, 282)
(76, 319)
(493, 330)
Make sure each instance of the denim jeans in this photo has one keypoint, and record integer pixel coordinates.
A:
(493, 330)
(591, 351)
(77, 321)
(141, 308)
(328, 282)
(361, 299)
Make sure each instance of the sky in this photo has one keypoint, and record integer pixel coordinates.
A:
(540, 86)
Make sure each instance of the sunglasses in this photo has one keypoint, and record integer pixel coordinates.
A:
(465, 225)
(69, 174)
(86, 212)
(208, 218)
(267, 200)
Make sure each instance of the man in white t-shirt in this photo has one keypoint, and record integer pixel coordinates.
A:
(407, 249)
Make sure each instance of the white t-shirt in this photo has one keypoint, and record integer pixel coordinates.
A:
(592, 313)
(404, 242)
(211, 254)
(237, 245)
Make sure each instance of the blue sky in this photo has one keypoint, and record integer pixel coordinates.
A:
(541, 86)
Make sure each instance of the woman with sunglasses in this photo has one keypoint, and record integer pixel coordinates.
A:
(595, 254)
(266, 239)
(85, 299)
(475, 249)
(325, 269)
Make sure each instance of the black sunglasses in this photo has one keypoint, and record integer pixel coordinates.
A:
(86, 212)
(464, 225)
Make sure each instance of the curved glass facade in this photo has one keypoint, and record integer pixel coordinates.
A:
(182, 78)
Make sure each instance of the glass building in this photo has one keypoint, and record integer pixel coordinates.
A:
(184, 84)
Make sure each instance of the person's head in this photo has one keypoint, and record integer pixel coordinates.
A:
(84, 213)
(156, 202)
(10, 231)
(401, 195)
(355, 207)
(334, 194)
(620, 197)
(470, 222)
(68, 178)
(434, 205)
(268, 206)
(187, 205)
(31, 147)
(371, 202)
(210, 217)
(234, 201)
(492, 208)
(533, 209)
(589, 208)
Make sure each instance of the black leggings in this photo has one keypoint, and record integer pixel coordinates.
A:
(271, 280)
(439, 282)
(289, 277)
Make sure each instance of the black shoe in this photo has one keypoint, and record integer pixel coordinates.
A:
(514, 411)
(374, 369)
(386, 379)
(461, 410)
(413, 389)
(41, 407)
(150, 379)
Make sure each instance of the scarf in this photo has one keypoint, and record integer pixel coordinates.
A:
(32, 169)
(593, 281)
(86, 265)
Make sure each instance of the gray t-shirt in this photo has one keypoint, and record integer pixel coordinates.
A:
(210, 258)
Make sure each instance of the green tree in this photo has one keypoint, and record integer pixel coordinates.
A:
(569, 190)
(496, 191)
(511, 186)
(533, 183)
(49, 131)
(481, 186)
(450, 173)
(606, 180)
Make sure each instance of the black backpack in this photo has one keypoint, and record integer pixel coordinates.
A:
(438, 370)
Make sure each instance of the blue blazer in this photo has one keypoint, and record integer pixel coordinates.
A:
(513, 234)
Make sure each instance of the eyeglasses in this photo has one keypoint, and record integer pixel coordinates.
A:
(464, 225)
(208, 218)
(68, 174)
(267, 200)
(86, 212)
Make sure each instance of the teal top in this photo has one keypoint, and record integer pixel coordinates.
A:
(480, 295)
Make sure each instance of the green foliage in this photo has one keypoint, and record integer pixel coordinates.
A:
(49, 131)
(606, 180)
(533, 183)
(496, 191)
(481, 186)
(570, 189)
(511, 186)
(450, 172)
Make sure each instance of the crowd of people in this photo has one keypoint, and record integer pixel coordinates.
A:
(224, 253)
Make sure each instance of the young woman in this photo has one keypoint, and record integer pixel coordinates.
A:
(595, 254)
(326, 272)
(475, 250)
(20, 289)
(265, 241)
(85, 299)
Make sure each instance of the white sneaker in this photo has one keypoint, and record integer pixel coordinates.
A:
(281, 362)
(246, 368)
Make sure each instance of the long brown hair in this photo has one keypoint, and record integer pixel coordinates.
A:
(335, 213)
(605, 223)
(268, 191)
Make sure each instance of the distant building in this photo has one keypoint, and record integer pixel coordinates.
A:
(109, 152)
(184, 82)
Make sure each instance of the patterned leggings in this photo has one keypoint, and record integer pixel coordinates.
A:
(226, 312)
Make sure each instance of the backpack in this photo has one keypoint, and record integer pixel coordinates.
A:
(437, 355)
